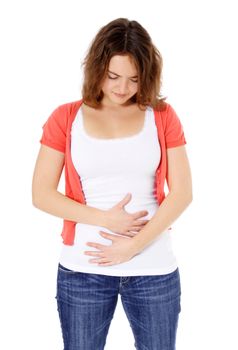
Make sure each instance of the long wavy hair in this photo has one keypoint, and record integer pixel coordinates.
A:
(124, 37)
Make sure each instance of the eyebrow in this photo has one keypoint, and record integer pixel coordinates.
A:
(135, 76)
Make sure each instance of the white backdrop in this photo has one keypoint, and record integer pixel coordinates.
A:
(42, 47)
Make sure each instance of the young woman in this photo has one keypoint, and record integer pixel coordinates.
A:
(118, 145)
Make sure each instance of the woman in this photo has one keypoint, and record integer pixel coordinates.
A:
(118, 145)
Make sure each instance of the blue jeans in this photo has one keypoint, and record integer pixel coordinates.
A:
(86, 303)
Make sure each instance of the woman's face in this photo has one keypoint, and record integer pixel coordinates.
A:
(121, 82)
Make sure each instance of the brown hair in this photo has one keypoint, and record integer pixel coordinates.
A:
(123, 37)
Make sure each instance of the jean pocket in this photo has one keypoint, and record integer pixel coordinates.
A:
(64, 269)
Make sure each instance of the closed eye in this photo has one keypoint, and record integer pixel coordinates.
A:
(134, 81)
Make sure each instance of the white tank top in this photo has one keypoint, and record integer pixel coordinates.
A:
(108, 170)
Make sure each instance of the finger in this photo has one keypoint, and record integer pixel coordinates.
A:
(128, 234)
(103, 261)
(108, 235)
(140, 222)
(124, 201)
(133, 234)
(139, 214)
(96, 245)
(136, 228)
(99, 261)
(109, 263)
(93, 253)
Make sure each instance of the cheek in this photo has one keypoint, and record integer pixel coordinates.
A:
(108, 85)
(134, 88)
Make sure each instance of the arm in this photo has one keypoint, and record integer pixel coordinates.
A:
(48, 169)
(46, 197)
(180, 196)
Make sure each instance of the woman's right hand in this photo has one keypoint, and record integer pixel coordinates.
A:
(121, 222)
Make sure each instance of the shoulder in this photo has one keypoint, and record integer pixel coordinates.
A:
(168, 115)
(172, 126)
(166, 111)
(64, 110)
(62, 114)
(165, 114)
(56, 126)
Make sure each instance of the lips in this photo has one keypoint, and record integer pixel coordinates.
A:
(119, 95)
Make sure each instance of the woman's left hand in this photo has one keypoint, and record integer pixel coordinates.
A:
(121, 250)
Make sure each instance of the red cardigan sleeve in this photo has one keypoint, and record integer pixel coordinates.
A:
(54, 130)
(174, 134)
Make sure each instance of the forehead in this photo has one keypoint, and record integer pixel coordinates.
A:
(122, 64)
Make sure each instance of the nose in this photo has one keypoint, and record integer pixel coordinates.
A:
(123, 86)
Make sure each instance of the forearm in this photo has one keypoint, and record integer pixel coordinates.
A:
(169, 210)
(57, 204)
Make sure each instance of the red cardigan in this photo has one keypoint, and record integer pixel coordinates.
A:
(57, 134)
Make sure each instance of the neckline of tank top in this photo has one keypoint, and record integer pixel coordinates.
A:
(115, 139)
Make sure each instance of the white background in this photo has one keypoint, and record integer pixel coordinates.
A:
(42, 47)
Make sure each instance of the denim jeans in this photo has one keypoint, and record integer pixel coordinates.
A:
(86, 303)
